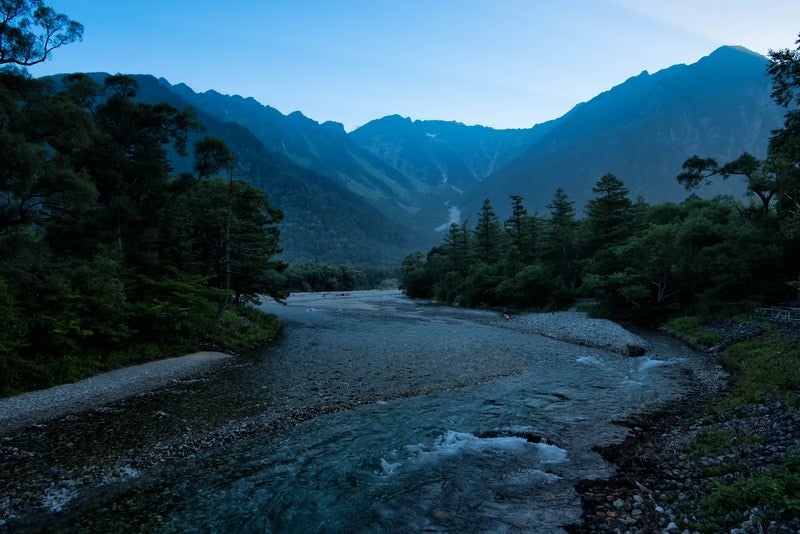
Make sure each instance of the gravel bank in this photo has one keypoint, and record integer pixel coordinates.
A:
(55, 402)
(660, 481)
(580, 329)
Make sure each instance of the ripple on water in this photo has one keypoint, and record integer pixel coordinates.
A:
(591, 360)
(415, 458)
(56, 499)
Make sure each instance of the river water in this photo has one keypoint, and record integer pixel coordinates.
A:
(373, 413)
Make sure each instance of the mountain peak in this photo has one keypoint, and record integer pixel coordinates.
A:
(734, 50)
(733, 55)
(396, 119)
(335, 127)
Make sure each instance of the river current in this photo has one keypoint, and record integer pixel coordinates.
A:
(373, 413)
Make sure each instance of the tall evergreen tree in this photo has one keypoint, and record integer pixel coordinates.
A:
(488, 234)
(608, 214)
(522, 230)
(560, 248)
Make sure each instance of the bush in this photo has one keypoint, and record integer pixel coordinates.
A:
(776, 493)
(690, 330)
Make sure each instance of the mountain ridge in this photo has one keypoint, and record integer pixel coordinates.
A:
(407, 179)
(644, 128)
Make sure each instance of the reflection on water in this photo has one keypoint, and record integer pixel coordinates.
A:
(372, 414)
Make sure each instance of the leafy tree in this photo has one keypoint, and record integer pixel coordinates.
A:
(762, 179)
(609, 222)
(211, 157)
(30, 31)
(38, 185)
(414, 279)
(251, 246)
(456, 247)
(102, 256)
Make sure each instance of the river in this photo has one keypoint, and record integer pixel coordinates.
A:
(373, 413)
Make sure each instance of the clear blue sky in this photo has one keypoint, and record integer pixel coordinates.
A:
(501, 63)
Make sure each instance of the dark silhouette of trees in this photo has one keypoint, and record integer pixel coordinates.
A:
(30, 31)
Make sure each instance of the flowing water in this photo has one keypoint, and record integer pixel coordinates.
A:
(372, 414)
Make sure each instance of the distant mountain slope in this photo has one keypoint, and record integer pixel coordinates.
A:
(323, 220)
(374, 194)
(323, 148)
(441, 153)
(410, 173)
(643, 130)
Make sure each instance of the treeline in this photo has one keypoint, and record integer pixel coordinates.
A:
(640, 262)
(321, 276)
(106, 256)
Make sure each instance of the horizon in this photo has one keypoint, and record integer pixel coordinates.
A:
(478, 63)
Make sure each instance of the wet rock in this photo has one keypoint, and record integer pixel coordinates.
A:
(653, 461)
(634, 350)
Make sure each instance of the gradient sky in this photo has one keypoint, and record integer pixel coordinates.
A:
(500, 63)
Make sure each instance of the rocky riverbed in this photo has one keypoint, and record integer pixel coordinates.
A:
(348, 355)
(660, 481)
(96, 391)
(674, 457)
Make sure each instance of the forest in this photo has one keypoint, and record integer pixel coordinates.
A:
(107, 257)
(638, 262)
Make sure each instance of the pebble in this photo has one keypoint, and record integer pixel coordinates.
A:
(654, 460)
(579, 328)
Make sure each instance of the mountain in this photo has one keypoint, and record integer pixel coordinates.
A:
(411, 171)
(372, 195)
(439, 153)
(323, 220)
(323, 148)
(643, 130)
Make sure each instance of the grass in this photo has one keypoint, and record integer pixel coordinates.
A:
(716, 442)
(761, 368)
(776, 493)
(691, 330)
(764, 367)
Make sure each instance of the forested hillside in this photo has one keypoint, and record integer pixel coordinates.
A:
(368, 196)
(641, 262)
(107, 255)
(323, 220)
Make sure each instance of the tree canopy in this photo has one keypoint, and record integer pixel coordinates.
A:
(30, 31)
(106, 254)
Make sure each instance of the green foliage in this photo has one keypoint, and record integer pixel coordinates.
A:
(689, 329)
(640, 263)
(242, 328)
(106, 258)
(776, 492)
(716, 442)
(415, 280)
(487, 241)
(764, 367)
(30, 31)
(318, 276)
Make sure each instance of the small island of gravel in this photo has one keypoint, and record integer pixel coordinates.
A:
(580, 329)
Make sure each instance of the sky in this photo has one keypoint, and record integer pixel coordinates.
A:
(499, 63)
